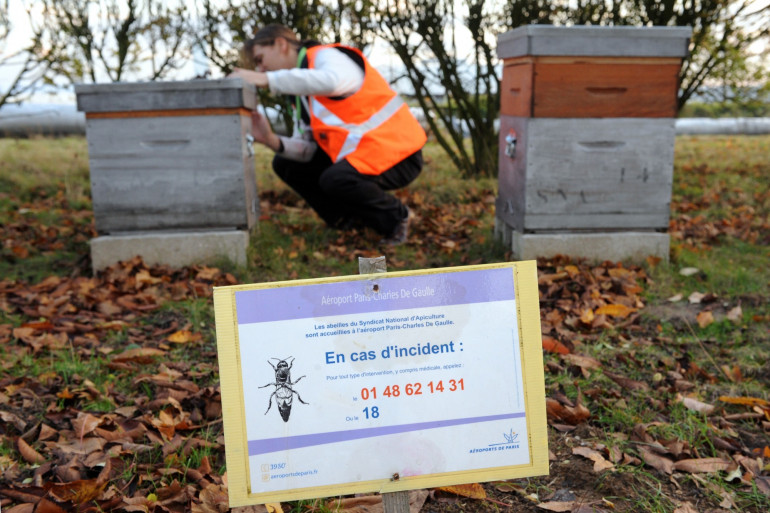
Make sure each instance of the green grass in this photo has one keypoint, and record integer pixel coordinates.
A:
(734, 268)
(30, 165)
(651, 499)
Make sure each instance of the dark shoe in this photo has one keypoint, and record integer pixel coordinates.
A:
(400, 232)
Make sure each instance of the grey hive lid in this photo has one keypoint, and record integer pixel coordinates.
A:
(187, 94)
(593, 41)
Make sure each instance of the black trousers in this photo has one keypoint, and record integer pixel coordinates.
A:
(340, 194)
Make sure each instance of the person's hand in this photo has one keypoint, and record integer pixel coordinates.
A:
(257, 78)
(262, 132)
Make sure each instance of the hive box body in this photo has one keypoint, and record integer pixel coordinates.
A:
(592, 110)
(593, 87)
(586, 174)
(170, 157)
(171, 172)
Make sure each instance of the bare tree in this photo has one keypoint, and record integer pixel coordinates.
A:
(223, 28)
(110, 40)
(458, 92)
(19, 66)
(723, 33)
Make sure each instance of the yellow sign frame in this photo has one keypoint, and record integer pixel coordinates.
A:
(233, 408)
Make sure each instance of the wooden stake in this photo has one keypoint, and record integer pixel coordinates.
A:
(393, 502)
(396, 502)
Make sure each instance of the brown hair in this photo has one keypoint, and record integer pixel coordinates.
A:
(266, 36)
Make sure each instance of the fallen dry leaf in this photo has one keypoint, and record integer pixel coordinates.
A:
(139, 355)
(184, 337)
(46, 506)
(582, 361)
(22, 508)
(702, 465)
(587, 316)
(695, 405)
(734, 374)
(763, 484)
(705, 318)
(79, 492)
(47, 433)
(600, 463)
(85, 446)
(573, 415)
(84, 424)
(14, 419)
(256, 508)
(656, 461)
(559, 506)
(213, 500)
(746, 401)
(735, 314)
(362, 504)
(472, 490)
(620, 311)
(552, 345)
(29, 454)
(144, 277)
(627, 382)
(546, 279)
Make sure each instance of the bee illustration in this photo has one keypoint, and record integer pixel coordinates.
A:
(284, 393)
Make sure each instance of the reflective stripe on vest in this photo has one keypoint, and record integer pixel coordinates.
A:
(372, 128)
(355, 131)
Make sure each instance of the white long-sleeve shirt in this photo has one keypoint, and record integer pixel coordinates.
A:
(333, 74)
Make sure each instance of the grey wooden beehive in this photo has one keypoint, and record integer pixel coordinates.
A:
(592, 112)
(170, 161)
(170, 155)
(586, 174)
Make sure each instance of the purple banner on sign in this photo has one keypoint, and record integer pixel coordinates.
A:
(374, 295)
(268, 445)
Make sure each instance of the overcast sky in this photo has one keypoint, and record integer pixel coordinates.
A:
(379, 55)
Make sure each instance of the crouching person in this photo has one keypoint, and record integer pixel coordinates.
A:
(354, 138)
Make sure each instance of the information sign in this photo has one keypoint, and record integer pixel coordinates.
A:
(381, 382)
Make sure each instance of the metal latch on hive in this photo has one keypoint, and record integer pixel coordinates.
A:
(510, 144)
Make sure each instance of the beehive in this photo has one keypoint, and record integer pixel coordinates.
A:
(170, 158)
(592, 112)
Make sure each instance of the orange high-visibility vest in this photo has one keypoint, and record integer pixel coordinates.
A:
(372, 128)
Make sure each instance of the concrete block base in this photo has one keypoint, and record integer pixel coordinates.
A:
(175, 249)
(594, 246)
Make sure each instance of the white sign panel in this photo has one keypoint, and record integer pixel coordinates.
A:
(376, 379)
